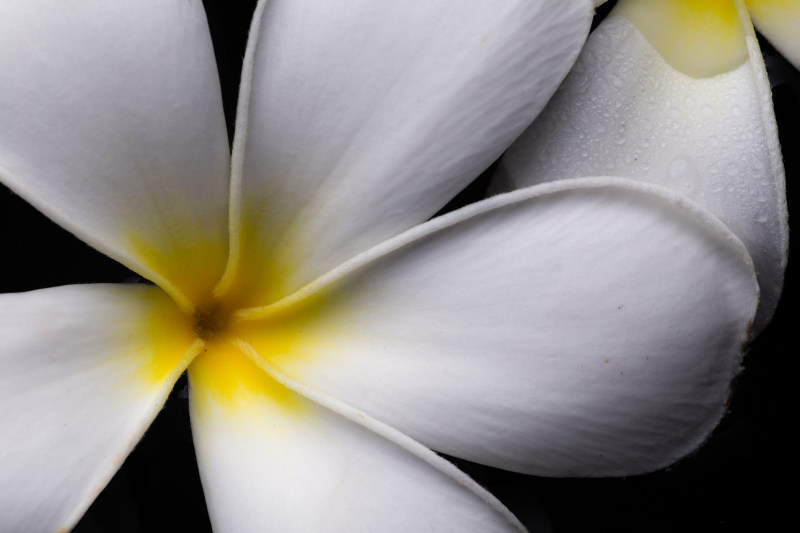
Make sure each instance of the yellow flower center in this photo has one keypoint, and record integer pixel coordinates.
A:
(210, 319)
(229, 344)
(225, 371)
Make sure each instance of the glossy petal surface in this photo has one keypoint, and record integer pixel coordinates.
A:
(112, 126)
(360, 119)
(85, 369)
(587, 327)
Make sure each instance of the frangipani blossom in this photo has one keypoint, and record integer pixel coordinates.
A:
(626, 109)
(329, 340)
(675, 93)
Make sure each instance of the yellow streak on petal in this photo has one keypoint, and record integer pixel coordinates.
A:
(188, 267)
(700, 38)
(264, 266)
(292, 333)
(256, 277)
(165, 338)
(229, 379)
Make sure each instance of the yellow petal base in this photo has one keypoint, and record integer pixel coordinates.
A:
(233, 382)
(700, 38)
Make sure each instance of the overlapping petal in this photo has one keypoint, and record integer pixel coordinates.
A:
(112, 126)
(779, 20)
(586, 327)
(626, 111)
(273, 460)
(83, 371)
(359, 119)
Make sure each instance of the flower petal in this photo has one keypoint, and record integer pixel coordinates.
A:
(112, 126)
(625, 111)
(779, 20)
(586, 327)
(85, 369)
(272, 460)
(701, 38)
(359, 119)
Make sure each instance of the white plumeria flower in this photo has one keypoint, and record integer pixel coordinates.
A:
(331, 335)
(657, 95)
(675, 93)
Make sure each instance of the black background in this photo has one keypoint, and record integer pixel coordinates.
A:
(733, 483)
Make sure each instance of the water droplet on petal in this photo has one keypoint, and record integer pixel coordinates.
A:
(678, 167)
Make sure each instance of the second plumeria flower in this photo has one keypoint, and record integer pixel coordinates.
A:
(675, 93)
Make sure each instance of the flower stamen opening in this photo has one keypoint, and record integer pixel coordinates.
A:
(210, 319)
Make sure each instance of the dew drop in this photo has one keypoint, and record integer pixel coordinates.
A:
(678, 167)
(717, 187)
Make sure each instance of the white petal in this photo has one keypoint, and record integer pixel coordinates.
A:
(586, 327)
(83, 371)
(779, 21)
(624, 111)
(112, 126)
(359, 119)
(271, 460)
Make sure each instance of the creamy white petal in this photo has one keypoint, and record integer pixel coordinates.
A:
(779, 20)
(272, 460)
(83, 371)
(625, 111)
(586, 327)
(111, 124)
(359, 119)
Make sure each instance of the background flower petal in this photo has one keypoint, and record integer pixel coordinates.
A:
(272, 460)
(624, 111)
(582, 328)
(358, 119)
(83, 371)
(700, 38)
(111, 124)
(779, 20)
